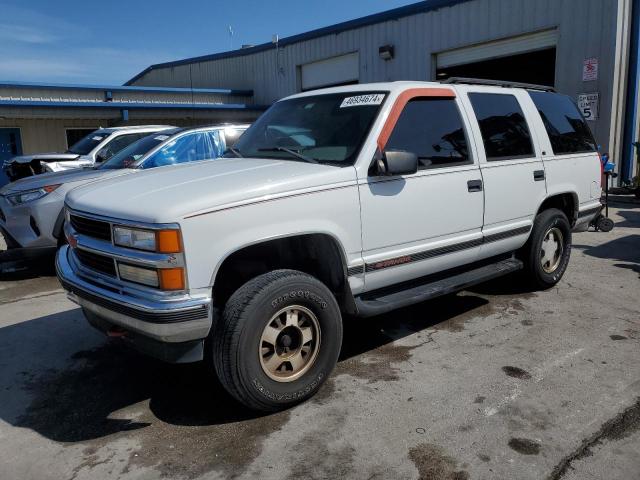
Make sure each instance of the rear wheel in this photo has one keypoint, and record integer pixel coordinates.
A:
(546, 254)
(278, 340)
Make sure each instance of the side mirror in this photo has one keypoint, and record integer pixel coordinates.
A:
(397, 162)
(101, 156)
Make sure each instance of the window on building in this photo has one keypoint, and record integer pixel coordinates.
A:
(505, 133)
(74, 135)
(568, 131)
(431, 128)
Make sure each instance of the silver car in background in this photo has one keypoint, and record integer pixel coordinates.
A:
(31, 209)
(97, 147)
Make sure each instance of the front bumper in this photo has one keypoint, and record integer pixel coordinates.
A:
(34, 224)
(168, 324)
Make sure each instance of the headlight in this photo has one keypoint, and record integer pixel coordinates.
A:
(164, 278)
(145, 276)
(135, 238)
(30, 195)
(162, 241)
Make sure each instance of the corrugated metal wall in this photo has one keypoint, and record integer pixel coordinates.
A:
(586, 29)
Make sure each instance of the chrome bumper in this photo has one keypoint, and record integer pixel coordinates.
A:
(170, 320)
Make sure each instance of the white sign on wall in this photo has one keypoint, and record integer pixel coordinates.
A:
(588, 105)
(590, 69)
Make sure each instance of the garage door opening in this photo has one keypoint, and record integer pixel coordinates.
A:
(532, 67)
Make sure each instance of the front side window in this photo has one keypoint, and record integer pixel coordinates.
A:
(128, 156)
(180, 150)
(118, 143)
(209, 145)
(567, 130)
(505, 132)
(88, 143)
(431, 128)
(320, 128)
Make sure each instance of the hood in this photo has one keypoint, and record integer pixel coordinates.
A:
(44, 157)
(168, 194)
(56, 178)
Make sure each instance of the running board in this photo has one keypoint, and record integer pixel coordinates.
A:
(368, 307)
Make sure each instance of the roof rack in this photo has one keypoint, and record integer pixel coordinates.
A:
(499, 83)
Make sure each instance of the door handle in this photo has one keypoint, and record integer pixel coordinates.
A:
(538, 175)
(474, 185)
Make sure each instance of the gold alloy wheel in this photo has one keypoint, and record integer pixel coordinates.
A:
(552, 250)
(290, 343)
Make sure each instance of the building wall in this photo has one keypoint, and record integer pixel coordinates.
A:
(44, 130)
(587, 28)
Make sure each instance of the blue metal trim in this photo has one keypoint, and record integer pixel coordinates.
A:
(395, 14)
(125, 88)
(631, 116)
(132, 106)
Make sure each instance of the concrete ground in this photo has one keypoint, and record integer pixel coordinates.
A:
(493, 383)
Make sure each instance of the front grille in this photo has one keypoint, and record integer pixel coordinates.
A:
(91, 228)
(94, 261)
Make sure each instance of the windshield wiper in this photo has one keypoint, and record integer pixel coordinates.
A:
(235, 151)
(290, 152)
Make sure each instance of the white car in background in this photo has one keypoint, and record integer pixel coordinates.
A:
(31, 209)
(97, 147)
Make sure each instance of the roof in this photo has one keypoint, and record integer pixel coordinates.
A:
(136, 127)
(121, 88)
(395, 14)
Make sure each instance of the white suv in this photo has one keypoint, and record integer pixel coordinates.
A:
(95, 148)
(351, 200)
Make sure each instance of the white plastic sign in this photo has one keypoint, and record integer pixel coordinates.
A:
(371, 99)
(590, 70)
(588, 105)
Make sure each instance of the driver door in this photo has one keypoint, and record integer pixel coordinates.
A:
(414, 225)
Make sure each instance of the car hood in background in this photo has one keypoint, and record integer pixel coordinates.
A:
(43, 157)
(168, 194)
(57, 178)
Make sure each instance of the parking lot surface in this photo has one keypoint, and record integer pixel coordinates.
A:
(496, 382)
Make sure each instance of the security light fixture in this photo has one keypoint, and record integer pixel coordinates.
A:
(386, 52)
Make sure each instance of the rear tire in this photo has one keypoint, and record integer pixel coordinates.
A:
(278, 340)
(546, 254)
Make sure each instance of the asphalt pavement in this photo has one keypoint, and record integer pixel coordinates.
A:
(494, 383)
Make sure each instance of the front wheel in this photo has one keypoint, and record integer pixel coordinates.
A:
(546, 253)
(278, 340)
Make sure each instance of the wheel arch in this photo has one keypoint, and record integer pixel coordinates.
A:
(566, 201)
(323, 256)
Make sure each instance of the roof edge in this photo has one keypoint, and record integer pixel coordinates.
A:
(119, 88)
(394, 14)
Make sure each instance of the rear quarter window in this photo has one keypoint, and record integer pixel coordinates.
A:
(567, 129)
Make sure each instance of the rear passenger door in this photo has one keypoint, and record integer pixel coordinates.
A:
(511, 165)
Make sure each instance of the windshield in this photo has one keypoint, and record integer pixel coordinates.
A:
(88, 143)
(320, 129)
(127, 157)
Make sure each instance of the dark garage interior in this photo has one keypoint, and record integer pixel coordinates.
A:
(532, 67)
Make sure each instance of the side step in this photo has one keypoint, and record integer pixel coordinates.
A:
(368, 307)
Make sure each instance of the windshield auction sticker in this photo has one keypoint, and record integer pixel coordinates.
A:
(371, 99)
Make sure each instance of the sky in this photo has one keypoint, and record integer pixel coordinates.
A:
(90, 42)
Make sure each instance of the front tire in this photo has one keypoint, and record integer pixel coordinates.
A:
(278, 340)
(546, 254)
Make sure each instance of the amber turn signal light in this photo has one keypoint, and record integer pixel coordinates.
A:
(171, 278)
(168, 241)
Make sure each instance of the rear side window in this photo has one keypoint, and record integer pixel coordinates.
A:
(432, 129)
(567, 130)
(505, 132)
